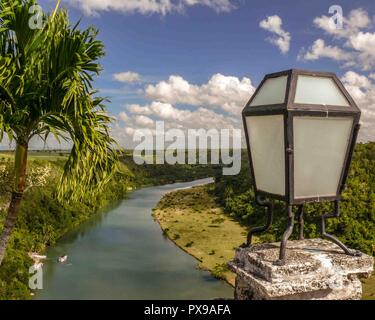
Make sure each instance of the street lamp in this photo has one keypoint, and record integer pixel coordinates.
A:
(301, 128)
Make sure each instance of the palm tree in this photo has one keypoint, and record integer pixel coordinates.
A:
(46, 89)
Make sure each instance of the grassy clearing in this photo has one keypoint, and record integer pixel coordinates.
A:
(369, 289)
(193, 221)
(36, 155)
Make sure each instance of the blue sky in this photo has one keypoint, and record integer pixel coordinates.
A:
(201, 40)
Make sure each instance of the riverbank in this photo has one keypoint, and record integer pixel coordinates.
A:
(369, 289)
(194, 222)
(122, 254)
(43, 220)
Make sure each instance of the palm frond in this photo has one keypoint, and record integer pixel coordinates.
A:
(46, 88)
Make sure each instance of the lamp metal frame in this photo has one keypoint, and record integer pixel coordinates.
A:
(289, 109)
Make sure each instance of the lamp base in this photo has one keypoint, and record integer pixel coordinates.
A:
(289, 230)
(313, 269)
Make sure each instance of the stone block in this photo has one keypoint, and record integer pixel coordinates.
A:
(314, 269)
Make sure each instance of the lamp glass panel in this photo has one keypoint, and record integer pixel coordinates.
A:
(272, 91)
(320, 146)
(266, 137)
(319, 90)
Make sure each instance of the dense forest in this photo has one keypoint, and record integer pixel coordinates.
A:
(50, 219)
(356, 225)
(43, 220)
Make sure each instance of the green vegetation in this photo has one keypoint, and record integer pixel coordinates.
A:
(192, 219)
(188, 216)
(46, 76)
(355, 227)
(369, 289)
(151, 174)
(203, 221)
(43, 219)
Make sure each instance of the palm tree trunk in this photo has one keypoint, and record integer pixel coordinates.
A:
(17, 194)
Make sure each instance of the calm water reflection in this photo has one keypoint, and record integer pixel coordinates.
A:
(122, 254)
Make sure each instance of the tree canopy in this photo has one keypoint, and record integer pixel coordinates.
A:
(46, 77)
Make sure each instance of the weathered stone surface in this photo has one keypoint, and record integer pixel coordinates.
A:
(314, 269)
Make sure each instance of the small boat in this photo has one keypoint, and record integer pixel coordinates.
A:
(62, 259)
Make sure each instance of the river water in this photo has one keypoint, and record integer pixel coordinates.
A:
(122, 254)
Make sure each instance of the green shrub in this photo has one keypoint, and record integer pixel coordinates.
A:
(43, 220)
(356, 225)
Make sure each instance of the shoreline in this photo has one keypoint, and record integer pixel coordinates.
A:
(171, 208)
(52, 221)
(95, 251)
(211, 255)
(36, 257)
(192, 255)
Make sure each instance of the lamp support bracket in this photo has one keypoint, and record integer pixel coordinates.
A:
(270, 208)
(289, 230)
(336, 214)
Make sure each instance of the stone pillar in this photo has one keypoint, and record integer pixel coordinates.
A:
(315, 269)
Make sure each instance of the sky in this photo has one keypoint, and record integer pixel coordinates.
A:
(195, 63)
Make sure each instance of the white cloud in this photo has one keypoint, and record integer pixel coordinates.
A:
(138, 109)
(143, 121)
(127, 77)
(124, 117)
(226, 92)
(216, 5)
(129, 131)
(161, 7)
(364, 43)
(282, 38)
(216, 104)
(320, 50)
(363, 92)
(176, 117)
(356, 20)
(163, 111)
(179, 91)
(356, 81)
(144, 116)
(357, 46)
(166, 111)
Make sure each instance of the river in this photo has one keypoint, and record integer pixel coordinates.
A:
(122, 254)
